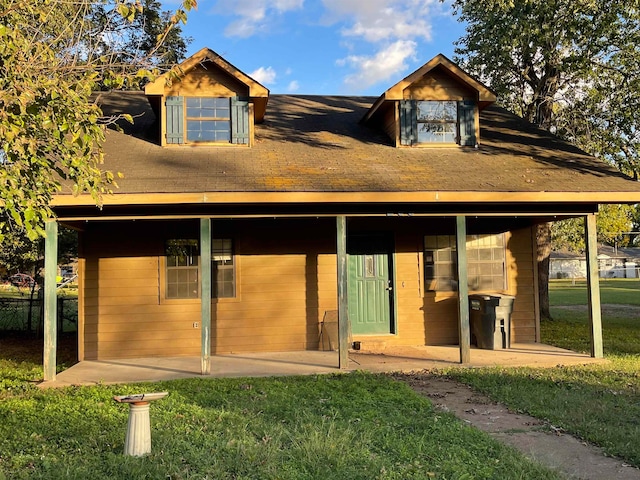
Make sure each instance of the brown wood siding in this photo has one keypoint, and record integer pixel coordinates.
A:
(285, 275)
(391, 122)
(207, 82)
(521, 282)
(438, 85)
(124, 316)
(285, 281)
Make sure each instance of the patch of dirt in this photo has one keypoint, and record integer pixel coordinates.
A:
(25, 347)
(536, 439)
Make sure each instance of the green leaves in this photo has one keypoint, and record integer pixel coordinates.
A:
(51, 130)
(612, 222)
(570, 66)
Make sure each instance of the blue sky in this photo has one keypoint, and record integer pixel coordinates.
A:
(324, 47)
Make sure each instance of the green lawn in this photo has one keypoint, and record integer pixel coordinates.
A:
(357, 426)
(599, 403)
(621, 291)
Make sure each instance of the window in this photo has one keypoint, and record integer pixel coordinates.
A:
(183, 259)
(223, 268)
(486, 268)
(208, 119)
(183, 268)
(437, 121)
(432, 122)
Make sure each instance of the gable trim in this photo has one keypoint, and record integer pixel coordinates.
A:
(255, 88)
(396, 92)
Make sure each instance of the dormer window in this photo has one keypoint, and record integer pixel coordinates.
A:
(437, 122)
(437, 105)
(207, 101)
(207, 120)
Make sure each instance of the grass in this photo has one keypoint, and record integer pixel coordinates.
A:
(599, 403)
(620, 291)
(358, 426)
(341, 426)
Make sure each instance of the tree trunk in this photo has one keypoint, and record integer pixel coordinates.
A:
(543, 248)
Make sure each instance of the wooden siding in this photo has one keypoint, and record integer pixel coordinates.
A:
(438, 85)
(285, 279)
(211, 82)
(522, 284)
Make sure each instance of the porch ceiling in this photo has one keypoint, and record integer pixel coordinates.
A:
(529, 212)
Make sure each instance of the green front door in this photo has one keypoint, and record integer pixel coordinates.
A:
(369, 290)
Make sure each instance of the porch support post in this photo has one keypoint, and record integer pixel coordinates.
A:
(50, 299)
(593, 286)
(343, 314)
(205, 295)
(463, 290)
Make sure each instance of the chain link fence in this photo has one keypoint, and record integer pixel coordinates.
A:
(27, 315)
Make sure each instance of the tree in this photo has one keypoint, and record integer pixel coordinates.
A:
(539, 56)
(612, 223)
(148, 27)
(121, 41)
(51, 133)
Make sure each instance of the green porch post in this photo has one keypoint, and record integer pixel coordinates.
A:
(205, 294)
(593, 286)
(343, 314)
(50, 299)
(463, 290)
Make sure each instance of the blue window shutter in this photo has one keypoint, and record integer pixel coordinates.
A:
(408, 122)
(240, 120)
(175, 123)
(467, 119)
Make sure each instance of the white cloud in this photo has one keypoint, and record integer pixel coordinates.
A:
(293, 86)
(385, 64)
(255, 16)
(265, 76)
(383, 20)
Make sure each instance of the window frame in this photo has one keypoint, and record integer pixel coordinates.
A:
(216, 119)
(168, 268)
(441, 271)
(223, 267)
(464, 134)
(437, 122)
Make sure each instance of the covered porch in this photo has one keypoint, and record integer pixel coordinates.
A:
(395, 359)
(426, 357)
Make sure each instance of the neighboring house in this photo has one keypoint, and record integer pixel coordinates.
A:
(613, 262)
(244, 219)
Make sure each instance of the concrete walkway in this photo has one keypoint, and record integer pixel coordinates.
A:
(398, 359)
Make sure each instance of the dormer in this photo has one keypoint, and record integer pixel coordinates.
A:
(437, 105)
(207, 101)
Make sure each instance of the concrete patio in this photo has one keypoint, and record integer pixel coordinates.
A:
(400, 359)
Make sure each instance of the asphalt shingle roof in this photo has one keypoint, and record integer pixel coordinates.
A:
(316, 144)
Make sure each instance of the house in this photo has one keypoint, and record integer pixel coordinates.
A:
(245, 220)
(613, 262)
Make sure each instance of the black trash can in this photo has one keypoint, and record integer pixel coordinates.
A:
(490, 319)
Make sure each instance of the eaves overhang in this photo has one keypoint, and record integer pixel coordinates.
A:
(363, 197)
